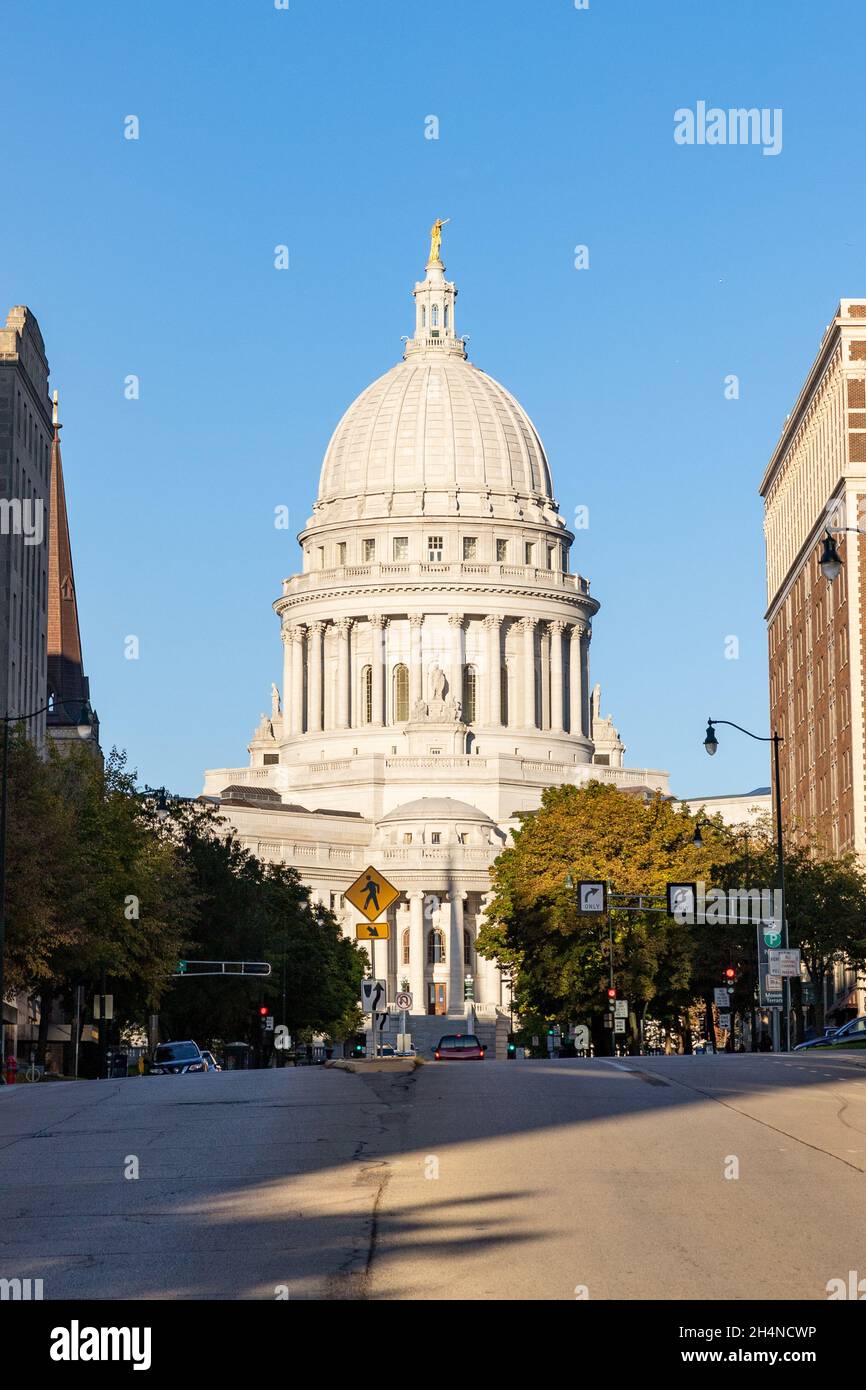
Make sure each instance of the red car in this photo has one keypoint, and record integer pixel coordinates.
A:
(458, 1047)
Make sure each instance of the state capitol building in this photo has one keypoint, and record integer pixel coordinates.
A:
(435, 663)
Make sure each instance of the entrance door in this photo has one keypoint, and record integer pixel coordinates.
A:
(436, 1000)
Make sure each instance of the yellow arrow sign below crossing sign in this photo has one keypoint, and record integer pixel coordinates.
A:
(372, 894)
(373, 931)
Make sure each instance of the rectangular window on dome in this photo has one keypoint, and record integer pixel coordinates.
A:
(435, 838)
(501, 552)
(341, 553)
(528, 553)
(407, 837)
(401, 547)
(470, 547)
(368, 550)
(435, 549)
(550, 555)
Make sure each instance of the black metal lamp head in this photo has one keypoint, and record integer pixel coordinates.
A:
(830, 562)
(711, 743)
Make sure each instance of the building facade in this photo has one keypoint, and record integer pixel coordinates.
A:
(435, 661)
(817, 478)
(25, 463)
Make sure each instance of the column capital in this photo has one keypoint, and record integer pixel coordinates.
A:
(492, 620)
(527, 624)
(295, 633)
(457, 894)
(416, 620)
(344, 626)
(416, 893)
(580, 628)
(318, 627)
(377, 620)
(558, 625)
(456, 619)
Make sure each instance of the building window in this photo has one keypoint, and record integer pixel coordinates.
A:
(270, 759)
(435, 549)
(528, 553)
(423, 315)
(367, 695)
(336, 902)
(501, 552)
(401, 547)
(368, 550)
(341, 553)
(503, 696)
(435, 947)
(470, 684)
(401, 694)
(445, 316)
(550, 554)
(436, 837)
(407, 837)
(321, 557)
(434, 316)
(470, 547)
(467, 948)
(404, 941)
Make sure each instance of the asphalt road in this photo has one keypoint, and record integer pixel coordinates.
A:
(461, 1181)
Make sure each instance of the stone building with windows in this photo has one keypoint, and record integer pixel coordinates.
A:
(816, 630)
(436, 662)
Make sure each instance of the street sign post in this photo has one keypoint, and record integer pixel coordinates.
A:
(374, 995)
(373, 931)
(619, 1025)
(620, 1008)
(722, 998)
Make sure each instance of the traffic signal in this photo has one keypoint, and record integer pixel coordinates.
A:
(611, 993)
(512, 1046)
(263, 1011)
(730, 977)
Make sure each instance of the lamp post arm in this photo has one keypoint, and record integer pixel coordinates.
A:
(760, 738)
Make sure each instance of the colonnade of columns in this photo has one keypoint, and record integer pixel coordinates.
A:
(307, 674)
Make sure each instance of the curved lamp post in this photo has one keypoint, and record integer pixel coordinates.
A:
(830, 561)
(85, 724)
(711, 743)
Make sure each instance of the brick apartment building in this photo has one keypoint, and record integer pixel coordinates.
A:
(816, 633)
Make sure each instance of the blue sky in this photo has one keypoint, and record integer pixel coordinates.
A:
(306, 127)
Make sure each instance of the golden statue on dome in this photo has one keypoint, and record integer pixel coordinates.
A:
(436, 239)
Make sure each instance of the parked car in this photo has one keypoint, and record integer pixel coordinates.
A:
(458, 1047)
(176, 1058)
(822, 1041)
(851, 1034)
(212, 1063)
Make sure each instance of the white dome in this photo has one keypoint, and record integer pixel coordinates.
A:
(435, 423)
(436, 808)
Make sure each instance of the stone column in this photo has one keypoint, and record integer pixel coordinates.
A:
(377, 629)
(456, 968)
(344, 627)
(527, 627)
(314, 713)
(492, 625)
(557, 628)
(286, 639)
(584, 669)
(455, 664)
(576, 680)
(487, 969)
(417, 952)
(296, 636)
(416, 668)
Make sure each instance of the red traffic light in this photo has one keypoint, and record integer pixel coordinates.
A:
(263, 1011)
(611, 994)
(730, 973)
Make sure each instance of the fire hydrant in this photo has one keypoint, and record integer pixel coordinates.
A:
(11, 1069)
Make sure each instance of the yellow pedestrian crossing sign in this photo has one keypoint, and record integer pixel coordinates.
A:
(372, 894)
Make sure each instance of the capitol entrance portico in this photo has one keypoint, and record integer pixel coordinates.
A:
(436, 662)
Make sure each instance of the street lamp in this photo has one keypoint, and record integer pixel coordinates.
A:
(697, 838)
(830, 561)
(85, 723)
(711, 744)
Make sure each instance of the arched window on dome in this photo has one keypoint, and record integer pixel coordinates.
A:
(401, 694)
(434, 315)
(470, 694)
(445, 317)
(467, 948)
(404, 943)
(423, 315)
(435, 946)
(367, 695)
